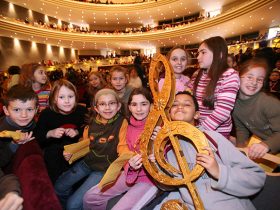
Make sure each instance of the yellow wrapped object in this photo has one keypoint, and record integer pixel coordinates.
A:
(77, 150)
(16, 135)
(114, 169)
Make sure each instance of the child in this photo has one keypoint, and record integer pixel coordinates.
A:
(215, 86)
(134, 79)
(274, 83)
(34, 76)
(231, 61)
(178, 59)
(20, 105)
(230, 176)
(134, 180)
(107, 131)
(60, 124)
(256, 112)
(119, 79)
(95, 83)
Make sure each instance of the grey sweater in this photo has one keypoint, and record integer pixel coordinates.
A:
(239, 178)
(258, 115)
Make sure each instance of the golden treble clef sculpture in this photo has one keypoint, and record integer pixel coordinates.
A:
(159, 115)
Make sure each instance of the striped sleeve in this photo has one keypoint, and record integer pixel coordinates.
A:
(225, 96)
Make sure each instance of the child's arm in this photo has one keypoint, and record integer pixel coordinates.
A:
(242, 133)
(10, 189)
(122, 146)
(272, 113)
(11, 201)
(42, 127)
(238, 175)
(6, 153)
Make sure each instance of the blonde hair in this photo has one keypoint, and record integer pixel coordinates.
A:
(106, 91)
(119, 69)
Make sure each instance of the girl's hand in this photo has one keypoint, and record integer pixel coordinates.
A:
(71, 132)
(209, 163)
(136, 162)
(56, 133)
(25, 137)
(67, 155)
(155, 132)
(257, 150)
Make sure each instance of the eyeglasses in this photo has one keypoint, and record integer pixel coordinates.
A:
(110, 104)
(251, 79)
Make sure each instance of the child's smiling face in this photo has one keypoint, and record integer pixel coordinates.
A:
(183, 109)
(252, 82)
(21, 112)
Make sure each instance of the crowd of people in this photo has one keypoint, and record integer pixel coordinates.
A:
(112, 112)
(55, 25)
(112, 2)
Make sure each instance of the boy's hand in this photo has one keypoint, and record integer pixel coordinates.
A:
(56, 133)
(155, 132)
(25, 137)
(12, 201)
(152, 158)
(136, 162)
(67, 155)
(209, 163)
(257, 150)
(71, 132)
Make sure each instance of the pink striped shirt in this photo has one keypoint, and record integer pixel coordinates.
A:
(218, 119)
